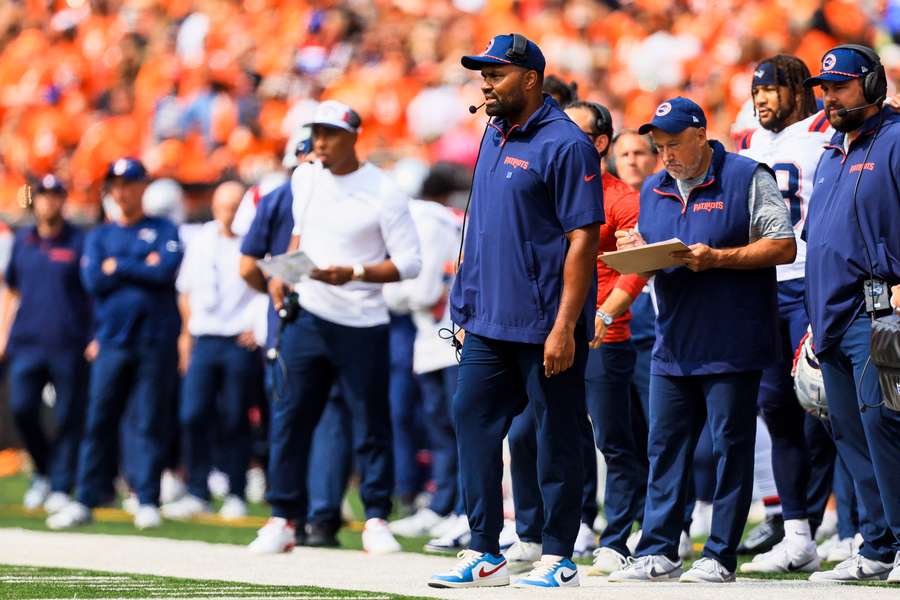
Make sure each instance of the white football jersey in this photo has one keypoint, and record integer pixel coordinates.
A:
(793, 154)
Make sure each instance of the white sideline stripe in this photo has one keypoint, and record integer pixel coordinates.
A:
(402, 573)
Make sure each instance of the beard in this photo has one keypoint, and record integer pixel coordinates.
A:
(504, 108)
(779, 118)
(847, 123)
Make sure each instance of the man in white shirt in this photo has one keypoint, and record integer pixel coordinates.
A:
(224, 325)
(348, 218)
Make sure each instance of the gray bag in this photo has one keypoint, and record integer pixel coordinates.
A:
(885, 353)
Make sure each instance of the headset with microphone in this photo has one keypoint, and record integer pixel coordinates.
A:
(517, 53)
(874, 82)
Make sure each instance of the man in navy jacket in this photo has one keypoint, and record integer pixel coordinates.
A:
(853, 235)
(525, 296)
(129, 268)
(728, 209)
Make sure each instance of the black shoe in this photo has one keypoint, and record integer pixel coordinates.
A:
(763, 537)
(300, 535)
(321, 536)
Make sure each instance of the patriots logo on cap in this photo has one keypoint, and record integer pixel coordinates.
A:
(120, 167)
(695, 119)
(758, 73)
(663, 109)
(828, 62)
(487, 49)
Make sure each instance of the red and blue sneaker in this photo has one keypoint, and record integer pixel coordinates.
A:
(550, 572)
(474, 569)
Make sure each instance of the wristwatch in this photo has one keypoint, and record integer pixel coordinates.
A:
(605, 317)
(359, 272)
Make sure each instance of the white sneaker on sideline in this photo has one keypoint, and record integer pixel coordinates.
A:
(606, 561)
(855, 568)
(275, 537)
(233, 508)
(256, 485)
(707, 570)
(894, 575)
(599, 524)
(836, 549)
(685, 546)
(147, 517)
(71, 515)
(378, 539)
(701, 519)
(37, 493)
(521, 556)
(56, 501)
(443, 526)
(455, 538)
(785, 558)
(633, 540)
(508, 535)
(186, 507)
(130, 504)
(218, 483)
(418, 524)
(647, 568)
(828, 527)
(585, 542)
(171, 487)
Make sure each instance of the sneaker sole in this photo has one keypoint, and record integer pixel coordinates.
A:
(684, 579)
(477, 583)
(286, 550)
(814, 579)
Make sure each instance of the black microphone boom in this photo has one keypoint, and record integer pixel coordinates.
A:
(474, 109)
(843, 112)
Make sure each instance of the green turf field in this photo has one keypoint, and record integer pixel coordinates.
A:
(43, 582)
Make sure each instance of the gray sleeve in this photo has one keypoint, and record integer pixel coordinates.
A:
(769, 214)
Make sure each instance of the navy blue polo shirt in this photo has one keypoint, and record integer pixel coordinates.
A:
(137, 303)
(54, 312)
(270, 233)
(533, 183)
(838, 235)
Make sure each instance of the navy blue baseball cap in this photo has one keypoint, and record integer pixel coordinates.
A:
(841, 64)
(500, 51)
(674, 116)
(49, 184)
(767, 73)
(129, 169)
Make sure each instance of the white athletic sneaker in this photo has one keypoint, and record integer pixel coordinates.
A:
(521, 556)
(444, 525)
(599, 524)
(55, 502)
(417, 524)
(648, 568)
(71, 515)
(378, 539)
(835, 549)
(186, 507)
(130, 504)
(233, 508)
(456, 537)
(550, 572)
(633, 540)
(147, 517)
(256, 485)
(685, 546)
(218, 483)
(785, 558)
(701, 519)
(894, 575)
(606, 561)
(586, 542)
(855, 568)
(508, 535)
(37, 493)
(275, 537)
(707, 570)
(828, 528)
(171, 488)
(474, 569)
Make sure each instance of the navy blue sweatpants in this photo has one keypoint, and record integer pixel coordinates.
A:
(867, 436)
(316, 354)
(219, 387)
(679, 407)
(438, 388)
(57, 458)
(138, 382)
(497, 380)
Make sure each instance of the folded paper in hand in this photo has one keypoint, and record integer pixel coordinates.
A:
(643, 259)
(290, 267)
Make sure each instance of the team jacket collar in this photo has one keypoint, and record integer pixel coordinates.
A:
(541, 116)
(886, 116)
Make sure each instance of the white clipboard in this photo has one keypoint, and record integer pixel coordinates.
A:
(644, 259)
(291, 267)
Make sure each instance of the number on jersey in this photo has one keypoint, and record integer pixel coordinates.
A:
(788, 177)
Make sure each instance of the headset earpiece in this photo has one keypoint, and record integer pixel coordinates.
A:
(518, 52)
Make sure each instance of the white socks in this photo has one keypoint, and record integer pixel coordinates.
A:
(797, 532)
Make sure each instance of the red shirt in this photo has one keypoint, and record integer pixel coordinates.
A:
(621, 205)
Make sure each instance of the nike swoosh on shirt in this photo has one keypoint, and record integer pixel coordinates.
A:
(569, 578)
(589, 177)
(482, 573)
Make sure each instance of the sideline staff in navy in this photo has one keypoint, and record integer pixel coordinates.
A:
(47, 319)
(129, 267)
(525, 296)
(851, 235)
(729, 211)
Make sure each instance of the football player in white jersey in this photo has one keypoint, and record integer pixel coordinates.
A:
(790, 140)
